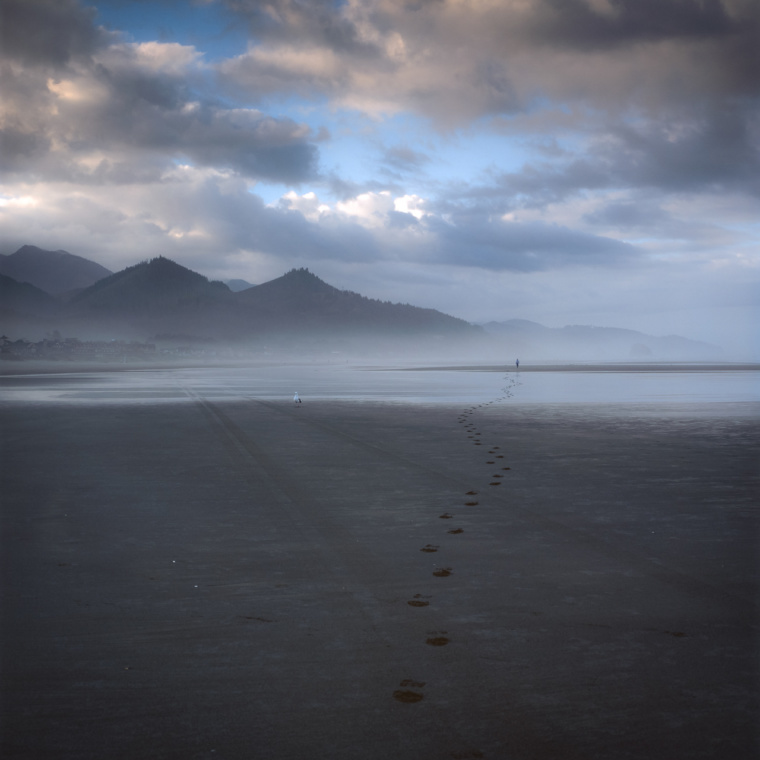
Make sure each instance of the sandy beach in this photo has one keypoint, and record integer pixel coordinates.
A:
(194, 576)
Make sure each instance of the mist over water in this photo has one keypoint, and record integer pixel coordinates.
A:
(393, 384)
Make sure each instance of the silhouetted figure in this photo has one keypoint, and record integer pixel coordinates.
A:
(296, 400)
(517, 363)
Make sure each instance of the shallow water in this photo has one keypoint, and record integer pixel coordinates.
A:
(314, 382)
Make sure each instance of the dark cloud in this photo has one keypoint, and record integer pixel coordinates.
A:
(291, 163)
(401, 220)
(132, 87)
(305, 22)
(47, 32)
(632, 214)
(716, 152)
(540, 184)
(19, 149)
(156, 114)
(456, 62)
(405, 159)
(534, 186)
(583, 25)
(525, 247)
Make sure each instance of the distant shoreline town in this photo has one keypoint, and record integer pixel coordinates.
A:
(75, 350)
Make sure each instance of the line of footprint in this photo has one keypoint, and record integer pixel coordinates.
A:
(410, 690)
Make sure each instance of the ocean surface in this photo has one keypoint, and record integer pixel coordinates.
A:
(314, 382)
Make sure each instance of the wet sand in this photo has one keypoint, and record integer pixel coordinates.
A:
(244, 578)
(616, 367)
(43, 367)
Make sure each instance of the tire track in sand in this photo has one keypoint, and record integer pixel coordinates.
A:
(337, 554)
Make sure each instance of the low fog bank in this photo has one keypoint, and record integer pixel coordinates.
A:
(126, 350)
(130, 342)
(128, 347)
(533, 342)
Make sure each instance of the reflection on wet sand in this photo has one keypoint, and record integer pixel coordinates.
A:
(265, 577)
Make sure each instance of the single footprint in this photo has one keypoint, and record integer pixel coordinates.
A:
(471, 493)
(455, 530)
(429, 548)
(506, 468)
(445, 516)
(417, 603)
(404, 695)
(491, 462)
(437, 641)
(470, 503)
(444, 572)
(495, 483)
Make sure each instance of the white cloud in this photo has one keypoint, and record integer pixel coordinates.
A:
(369, 209)
(307, 204)
(23, 201)
(164, 57)
(411, 204)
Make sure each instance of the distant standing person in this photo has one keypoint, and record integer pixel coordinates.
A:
(517, 363)
(296, 400)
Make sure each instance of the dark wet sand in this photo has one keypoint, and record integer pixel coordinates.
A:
(345, 580)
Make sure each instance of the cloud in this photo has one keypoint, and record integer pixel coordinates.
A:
(203, 214)
(411, 205)
(119, 111)
(370, 209)
(403, 158)
(455, 61)
(715, 152)
(527, 246)
(49, 33)
(629, 214)
(617, 23)
(200, 217)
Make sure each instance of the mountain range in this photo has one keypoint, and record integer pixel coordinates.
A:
(55, 272)
(162, 301)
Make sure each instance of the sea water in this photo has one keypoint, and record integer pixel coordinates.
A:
(315, 382)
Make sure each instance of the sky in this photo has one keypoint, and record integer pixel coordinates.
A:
(590, 162)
